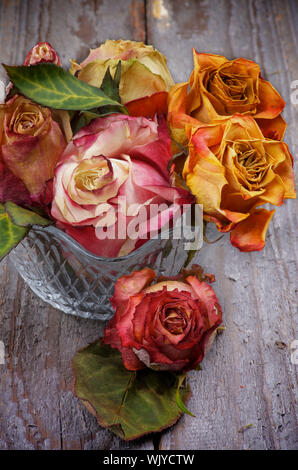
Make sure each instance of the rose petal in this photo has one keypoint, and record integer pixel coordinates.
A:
(271, 103)
(111, 337)
(207, 296)
(149, 105)
(273, 128)
(130, 285)
(250, 234)
(12, 188)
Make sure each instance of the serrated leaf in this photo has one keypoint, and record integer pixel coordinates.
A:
(25, 217)
(10, 234)
(130, 404)
(50, 85)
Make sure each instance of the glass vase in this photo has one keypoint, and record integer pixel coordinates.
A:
(61, 272)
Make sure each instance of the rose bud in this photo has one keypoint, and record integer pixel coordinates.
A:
(31, 144)
(115, 158)
(165, 326)
(232, 170)
(42, 52)
(218, 88)
(143, 69)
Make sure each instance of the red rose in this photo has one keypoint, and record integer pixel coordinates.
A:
(164, 326)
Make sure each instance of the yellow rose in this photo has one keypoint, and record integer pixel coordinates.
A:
(143, 69)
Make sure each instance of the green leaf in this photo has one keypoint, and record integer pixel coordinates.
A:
(130, 404)
(110, 85)
(178, 397)
(25, 217)
(50, 85)
(10, 234)
(78, 122)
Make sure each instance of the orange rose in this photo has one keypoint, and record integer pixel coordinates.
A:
(218, 88)
(232, 169)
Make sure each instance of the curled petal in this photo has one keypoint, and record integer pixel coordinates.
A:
(115, 135)
(137, 80)
(205, 176)
(111, 337)
(271, 103)
(273, 128)
(250, 234)
(207, 296)
(149, 105)
(130, 285)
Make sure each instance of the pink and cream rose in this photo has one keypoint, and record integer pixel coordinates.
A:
(113, 169)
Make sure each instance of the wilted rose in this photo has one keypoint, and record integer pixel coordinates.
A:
(114, 158)
(218, 88)
(42, 52)
(232, 170)
(143, 69)
(30, 146)
(164, 326)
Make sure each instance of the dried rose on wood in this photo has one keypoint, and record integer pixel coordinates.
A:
(164, 326)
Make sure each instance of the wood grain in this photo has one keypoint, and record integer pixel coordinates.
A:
(248, 377)
(37, 408)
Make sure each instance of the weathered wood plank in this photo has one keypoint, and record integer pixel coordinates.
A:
(247, 378)
(37, 408)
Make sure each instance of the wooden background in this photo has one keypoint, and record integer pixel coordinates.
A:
(248, 377)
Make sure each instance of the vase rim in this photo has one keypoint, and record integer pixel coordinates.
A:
(71, 241)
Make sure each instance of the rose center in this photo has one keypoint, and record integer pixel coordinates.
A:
(174, 321)
(25, 119)
(90, 176)
(252, 165)
(235, 87)
(223, 84)
(44, 52)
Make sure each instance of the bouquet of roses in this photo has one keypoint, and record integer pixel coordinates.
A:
(92, 149)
